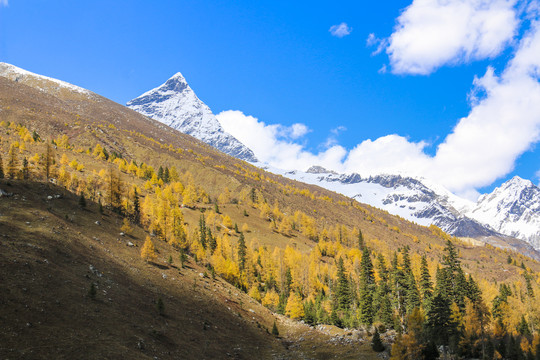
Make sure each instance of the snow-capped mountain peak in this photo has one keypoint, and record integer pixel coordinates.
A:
(512, 209)
(175, 104)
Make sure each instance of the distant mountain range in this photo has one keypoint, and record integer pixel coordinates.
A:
(175, 104)
(511, 210)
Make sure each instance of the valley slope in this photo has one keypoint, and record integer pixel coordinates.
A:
(295, 237)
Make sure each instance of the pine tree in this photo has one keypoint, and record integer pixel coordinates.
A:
(438, 320)
(365, 306)
(202, 231)
(426, 287)
(211, 240)
(242, 251)
(166, 175)
(275, 330)
(343, 292)
(367, 275)
(523, 327)
(376, 343)
(530, 291)
(360, 240)
(398, 287)
(381, 300)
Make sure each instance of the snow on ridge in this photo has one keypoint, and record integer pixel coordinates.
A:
(15, 73)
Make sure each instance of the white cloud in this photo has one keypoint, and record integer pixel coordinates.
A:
(340, 30)
(4, 3)
(271, 146)
(433, 33)
(331, 140)
(381, 44)
(297, 131)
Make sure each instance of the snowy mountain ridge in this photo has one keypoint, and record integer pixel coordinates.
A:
(512, 210)
(175, 104)
(41, 82)
(404, 196)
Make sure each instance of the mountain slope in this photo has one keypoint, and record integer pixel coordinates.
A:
(175, 104)
(296, 236)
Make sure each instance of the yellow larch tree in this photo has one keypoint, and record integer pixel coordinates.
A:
(294, 308)
(148, 251)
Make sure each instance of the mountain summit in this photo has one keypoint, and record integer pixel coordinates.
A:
(513, 209)
(175, 104)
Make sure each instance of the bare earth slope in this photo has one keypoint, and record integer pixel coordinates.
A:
(51, 251)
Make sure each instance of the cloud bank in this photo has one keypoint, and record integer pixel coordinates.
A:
(340, 30)
(433, 33)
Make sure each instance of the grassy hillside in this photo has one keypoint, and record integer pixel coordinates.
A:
(295, 236)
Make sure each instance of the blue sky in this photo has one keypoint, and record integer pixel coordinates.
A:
(277, 64)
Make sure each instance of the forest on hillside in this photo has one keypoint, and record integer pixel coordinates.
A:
(343, 278)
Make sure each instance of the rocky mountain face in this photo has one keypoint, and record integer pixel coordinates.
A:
(175, 104)
(509, 214)
(403, 196)
(512, 209)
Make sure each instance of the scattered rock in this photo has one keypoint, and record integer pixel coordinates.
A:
(129, 243)
(5, 193)
(94, 270)
(98, 223)
(122, 234)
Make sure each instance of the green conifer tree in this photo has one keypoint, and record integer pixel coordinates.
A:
(242, 251)
(275, 330)
(360, 240)
(343, 291)
(376, 343)
(166, 175)
(426, 286)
